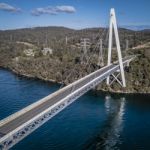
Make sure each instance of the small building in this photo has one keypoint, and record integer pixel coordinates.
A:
(29, 52)
(47, 51)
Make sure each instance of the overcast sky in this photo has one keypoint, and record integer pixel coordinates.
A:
(72, 13)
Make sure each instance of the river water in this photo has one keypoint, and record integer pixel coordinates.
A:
(92, 122)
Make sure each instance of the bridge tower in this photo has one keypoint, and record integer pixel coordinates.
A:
(113, 26)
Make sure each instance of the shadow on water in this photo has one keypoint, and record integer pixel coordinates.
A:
(109, 136)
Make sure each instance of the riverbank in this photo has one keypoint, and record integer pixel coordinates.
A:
(97, 90)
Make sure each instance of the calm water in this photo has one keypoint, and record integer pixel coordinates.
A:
(92, 122)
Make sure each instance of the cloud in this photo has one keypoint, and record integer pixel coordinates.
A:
(9, 8)
(66, 9)
(53, 10)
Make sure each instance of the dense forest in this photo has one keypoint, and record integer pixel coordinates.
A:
(68, 61)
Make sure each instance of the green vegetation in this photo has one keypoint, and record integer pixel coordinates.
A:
(65, 65)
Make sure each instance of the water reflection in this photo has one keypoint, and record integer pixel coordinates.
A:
(109, 137)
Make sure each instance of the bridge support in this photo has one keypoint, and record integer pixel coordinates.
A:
(113, 25)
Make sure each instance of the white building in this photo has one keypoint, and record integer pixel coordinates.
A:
(47, 51)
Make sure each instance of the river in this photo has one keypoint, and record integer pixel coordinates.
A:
(92, 122)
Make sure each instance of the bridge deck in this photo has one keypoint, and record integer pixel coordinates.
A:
(19, 119)
(6, 128)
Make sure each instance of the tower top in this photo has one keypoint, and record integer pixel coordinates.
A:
(112, 11)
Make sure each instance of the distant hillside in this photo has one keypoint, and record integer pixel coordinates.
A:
(35, 35)
(66, 62)
(51, 36)
(146, 30)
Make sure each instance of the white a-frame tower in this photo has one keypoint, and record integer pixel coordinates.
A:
(113, 25)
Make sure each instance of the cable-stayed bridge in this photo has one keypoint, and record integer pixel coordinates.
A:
(17, 126)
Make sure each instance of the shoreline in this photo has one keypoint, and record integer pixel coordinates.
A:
(60, 83)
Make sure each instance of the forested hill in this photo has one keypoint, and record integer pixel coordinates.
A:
(38, 35)
(21, 51)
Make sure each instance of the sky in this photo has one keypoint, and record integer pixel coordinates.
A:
(75, 14)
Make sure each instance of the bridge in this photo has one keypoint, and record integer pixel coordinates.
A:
(20, 124)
